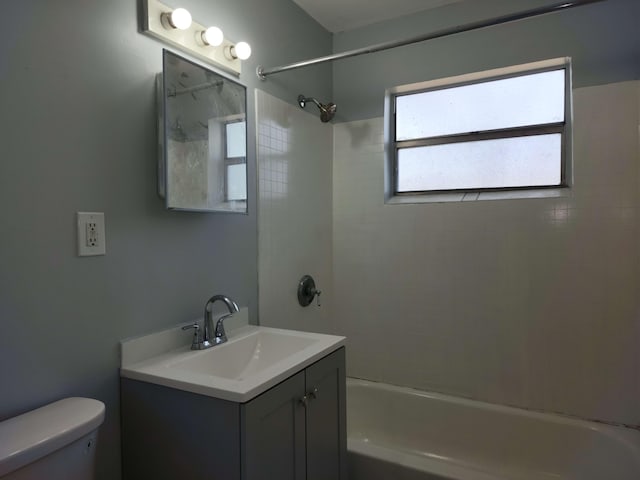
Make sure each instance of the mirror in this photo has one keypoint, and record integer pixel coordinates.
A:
(203, 138)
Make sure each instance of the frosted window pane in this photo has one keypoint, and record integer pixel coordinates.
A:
(236, 140)
(508, 162)
(237, 182)
(534, 99)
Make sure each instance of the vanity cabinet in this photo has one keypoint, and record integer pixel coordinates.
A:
(294, 431)
(297, 430)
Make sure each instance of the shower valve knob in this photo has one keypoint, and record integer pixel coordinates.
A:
(307, 291)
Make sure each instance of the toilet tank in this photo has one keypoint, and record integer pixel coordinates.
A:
(57, 441)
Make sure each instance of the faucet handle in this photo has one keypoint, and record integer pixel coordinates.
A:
(195, 343)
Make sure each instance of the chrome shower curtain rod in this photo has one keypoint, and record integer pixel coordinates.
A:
(263, 73)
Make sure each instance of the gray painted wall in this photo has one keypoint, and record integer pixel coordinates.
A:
(602, 39)
(78, 120)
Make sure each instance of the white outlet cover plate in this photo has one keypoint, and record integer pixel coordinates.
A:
(84, 249)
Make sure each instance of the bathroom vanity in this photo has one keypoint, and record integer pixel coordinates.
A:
(293, 429)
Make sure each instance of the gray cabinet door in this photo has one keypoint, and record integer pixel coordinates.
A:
(273, 426)
(170, 434)
(326, 418)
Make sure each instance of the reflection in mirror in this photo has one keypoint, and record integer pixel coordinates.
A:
(203, 164)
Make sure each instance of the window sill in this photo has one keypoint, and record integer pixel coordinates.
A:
(478, 196)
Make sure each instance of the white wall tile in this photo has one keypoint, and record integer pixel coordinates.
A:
(294, 214)
(531, 302)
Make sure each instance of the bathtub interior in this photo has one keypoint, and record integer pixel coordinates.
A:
(424, 431)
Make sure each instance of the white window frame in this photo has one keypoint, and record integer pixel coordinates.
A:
(230, 161)
(392, 146)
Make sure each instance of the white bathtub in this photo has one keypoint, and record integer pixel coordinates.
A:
(398, 433)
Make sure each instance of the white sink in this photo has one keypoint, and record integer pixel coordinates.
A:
(245, 356)
(253, 360)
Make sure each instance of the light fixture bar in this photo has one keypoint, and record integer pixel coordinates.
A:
(187, 40)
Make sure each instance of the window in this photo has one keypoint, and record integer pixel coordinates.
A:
(500, 130)
(235, 161)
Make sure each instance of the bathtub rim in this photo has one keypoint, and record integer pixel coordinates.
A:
(627, 436)
(440, 467)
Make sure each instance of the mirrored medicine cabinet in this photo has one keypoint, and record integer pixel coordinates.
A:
(202, 132)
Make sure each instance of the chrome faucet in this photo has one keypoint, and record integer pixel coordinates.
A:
(206, 340)
(219, 335)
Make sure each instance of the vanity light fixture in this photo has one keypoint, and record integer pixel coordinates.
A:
(175, 27)
(241, 50)
(212, 36)
(179, 18)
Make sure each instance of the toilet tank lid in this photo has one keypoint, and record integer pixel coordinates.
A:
(35, 434)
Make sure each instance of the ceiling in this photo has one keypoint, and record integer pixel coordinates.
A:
(341, 15)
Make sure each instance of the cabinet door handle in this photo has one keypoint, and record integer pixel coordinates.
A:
(314, 393)
(304, 400)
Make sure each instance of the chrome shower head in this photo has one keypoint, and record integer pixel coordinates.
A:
(327, 111)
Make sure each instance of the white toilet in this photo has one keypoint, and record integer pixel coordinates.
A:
(55, 442)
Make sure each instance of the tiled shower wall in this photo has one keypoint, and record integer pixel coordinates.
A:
(530, 302)
(294, 155)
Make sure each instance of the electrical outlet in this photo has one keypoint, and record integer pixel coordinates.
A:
(91, 234)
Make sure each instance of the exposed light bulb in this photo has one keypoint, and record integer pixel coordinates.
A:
(241, 50)
(212, 36)
(179, 18)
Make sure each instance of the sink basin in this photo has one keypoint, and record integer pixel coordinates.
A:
(253, 360)
(246, 356)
